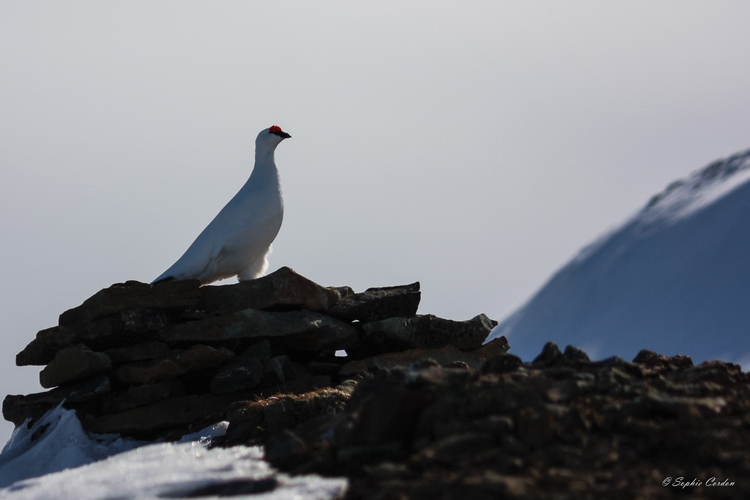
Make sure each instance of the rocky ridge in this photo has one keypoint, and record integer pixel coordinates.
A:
(163, 360)
(419, 408)
(560, 427)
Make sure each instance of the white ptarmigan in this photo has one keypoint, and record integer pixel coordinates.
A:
(239, 238)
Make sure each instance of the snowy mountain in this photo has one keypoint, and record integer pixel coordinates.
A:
(674, 278)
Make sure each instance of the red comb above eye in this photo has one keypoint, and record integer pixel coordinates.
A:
(275, 129)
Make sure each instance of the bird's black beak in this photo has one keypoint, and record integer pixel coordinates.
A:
(281, 134)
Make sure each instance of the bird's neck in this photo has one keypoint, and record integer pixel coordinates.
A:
(265, 157)
(265, 167)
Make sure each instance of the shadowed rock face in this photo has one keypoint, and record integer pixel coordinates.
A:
(72, 364)
(123, 328)
(561, 426)
(245, 371)
(195, 358)
(17, 408)
(162, 360)
(304, 330)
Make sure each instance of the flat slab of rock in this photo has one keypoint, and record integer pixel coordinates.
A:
(301, 330)
(138, 352)
(17, 408)
(166, 414)
(443, 356)
(43, 348)
(375, 304)
(422, 332)
(126, 327)
(72, 364)
(177, 363)
(133, 295)
(282, 289)
(141, 395)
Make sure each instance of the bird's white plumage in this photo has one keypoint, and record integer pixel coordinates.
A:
(239, 238)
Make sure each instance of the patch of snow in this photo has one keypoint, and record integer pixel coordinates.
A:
(56, 459)
(685, 197)
(55, 442)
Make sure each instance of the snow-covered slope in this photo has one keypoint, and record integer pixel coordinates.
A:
(675, 279)
(55, 459)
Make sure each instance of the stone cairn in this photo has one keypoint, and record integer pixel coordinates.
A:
(160, 361)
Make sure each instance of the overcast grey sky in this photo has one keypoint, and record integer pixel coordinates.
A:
(472, 146)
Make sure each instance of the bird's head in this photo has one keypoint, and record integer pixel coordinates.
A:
(271, 137)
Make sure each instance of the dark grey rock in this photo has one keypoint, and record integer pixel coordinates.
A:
(243, 372)
(574, 354)
(446, 355)
(140, 395)
(246, 423)
(549, 356)
(564, 427)
(322, 368)
(45, 345)
(140, 322)
(138, 352)
(391, 414)
(282, 289)
(341, 291)
(178, 294)
(73, 364)
(281, 370)
(278, 414)
(647, 357)
(458, 364)
(124, 328)
(321, 381)
(177, 363)
(662, 363)
(146, 421)
(302, 330)
(423, 332)
(458, 448)
(502, 363)
(17, 408)
(497, 425)
(148, 373)
(376, 304)
(711, 371)
(285, 447)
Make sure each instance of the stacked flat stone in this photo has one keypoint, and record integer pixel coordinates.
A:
(163, 360)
